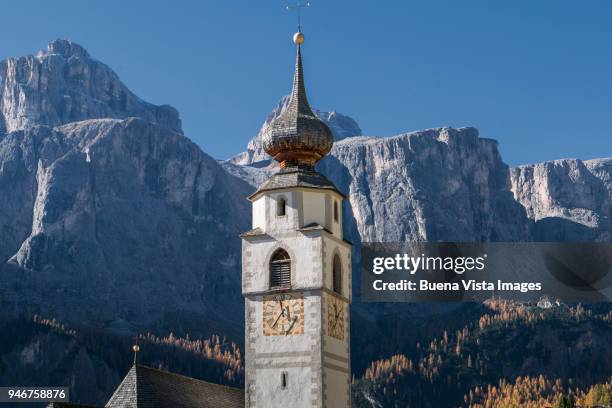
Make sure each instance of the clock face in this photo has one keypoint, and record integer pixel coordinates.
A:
(283, 314)
(335, 317)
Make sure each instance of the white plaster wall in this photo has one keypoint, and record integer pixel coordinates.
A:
(314, 208)
(270, 394)
(336, 389)
(338, 347)
(287, 222)
(259, 213)
(319, 208)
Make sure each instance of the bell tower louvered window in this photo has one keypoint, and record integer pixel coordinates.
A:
(280, 270)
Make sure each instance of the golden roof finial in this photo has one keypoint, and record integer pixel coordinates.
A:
(136, 350)
(298, 38)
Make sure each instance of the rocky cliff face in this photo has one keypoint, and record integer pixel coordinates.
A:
(64, 84)
(437, 184)
(569, 200)
(128, 220)
(113, 221)
(341, 126)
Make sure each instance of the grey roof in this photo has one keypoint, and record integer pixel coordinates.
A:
(255, 232)
(314, 226)
(297, 134)
(297, 176)
(145, 387)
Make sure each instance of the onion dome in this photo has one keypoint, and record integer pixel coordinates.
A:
(297, 136)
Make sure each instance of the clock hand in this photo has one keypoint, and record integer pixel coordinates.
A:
(281, 314)
(278, 317)
(288, 312)
(292, 323)
(337, 311)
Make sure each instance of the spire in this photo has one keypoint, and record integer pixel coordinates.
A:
(298, 92)
(297, 136)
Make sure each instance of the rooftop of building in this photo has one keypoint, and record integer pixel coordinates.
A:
(146, 387)
(292, 176)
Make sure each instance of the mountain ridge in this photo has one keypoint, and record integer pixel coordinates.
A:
(65, 84)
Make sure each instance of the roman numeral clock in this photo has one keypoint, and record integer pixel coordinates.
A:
(283, 314)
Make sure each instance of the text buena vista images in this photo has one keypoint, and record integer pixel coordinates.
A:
(458, 265)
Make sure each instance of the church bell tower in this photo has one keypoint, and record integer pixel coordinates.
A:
(296, 270)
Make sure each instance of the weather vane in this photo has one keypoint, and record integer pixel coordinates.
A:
(298, 6)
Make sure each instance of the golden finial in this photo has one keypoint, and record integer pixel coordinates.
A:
(135, 349)
(298, 38)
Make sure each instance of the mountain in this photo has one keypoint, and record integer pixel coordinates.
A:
(438, 184)
(341, 126)
(569, 200)
(65, 84)
(108, 219)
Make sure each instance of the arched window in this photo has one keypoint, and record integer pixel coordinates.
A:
(336, 212)
(280, 270)
(337, 275)
(281, 207)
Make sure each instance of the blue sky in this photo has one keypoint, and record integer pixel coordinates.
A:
(535, 75)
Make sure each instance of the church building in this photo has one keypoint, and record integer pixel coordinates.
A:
(296, 280)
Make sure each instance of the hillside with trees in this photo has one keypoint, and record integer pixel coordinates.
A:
(92, 363)
(567, 346)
